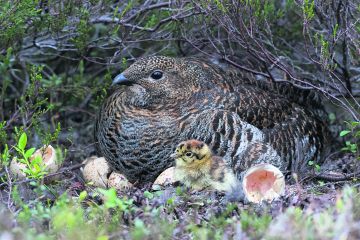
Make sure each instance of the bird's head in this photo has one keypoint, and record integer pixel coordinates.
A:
(158, 79)
(191, 152)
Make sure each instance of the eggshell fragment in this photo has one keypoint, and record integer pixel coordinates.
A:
(118, 181)
(48, 155)
(16, 168)
(263, 182)
(166, 177)
(96, 170)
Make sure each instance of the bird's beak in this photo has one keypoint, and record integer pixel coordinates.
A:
(173, 155)
(121, 80)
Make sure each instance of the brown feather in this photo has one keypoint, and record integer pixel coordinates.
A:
(139, 124)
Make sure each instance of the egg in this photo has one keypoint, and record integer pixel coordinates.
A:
(166, 177)
(96, 171)
(118, 181)
(263, 182)
(49, 159)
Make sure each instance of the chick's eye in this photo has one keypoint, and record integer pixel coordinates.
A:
(188, 154)
(157, 74)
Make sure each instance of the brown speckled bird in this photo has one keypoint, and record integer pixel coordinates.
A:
(160, 101)
(196, 167)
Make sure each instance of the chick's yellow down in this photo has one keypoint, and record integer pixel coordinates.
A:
(196, 167)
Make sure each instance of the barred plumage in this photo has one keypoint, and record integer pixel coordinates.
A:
(163, 101)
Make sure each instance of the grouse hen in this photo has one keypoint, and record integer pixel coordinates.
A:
(160, 101)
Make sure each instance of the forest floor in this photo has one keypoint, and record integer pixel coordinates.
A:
(70, 209)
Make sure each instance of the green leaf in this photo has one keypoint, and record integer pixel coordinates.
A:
(27, 171)
(354, 124)
(33, 183)
(170, 201)
(29, 152)
(344, 132)
(111, 199)
(22, 141)
(344, 149)
(36, 168)
(5, 156)
(357, 134)
(37, 160)
(82, 196)
(148, 195)
(22, 160)
(103, 237)
(335, 30)
(353, 148)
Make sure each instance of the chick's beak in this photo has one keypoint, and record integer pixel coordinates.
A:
(174, 155)
(121, 80)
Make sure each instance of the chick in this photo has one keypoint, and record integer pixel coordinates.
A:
(196, 167)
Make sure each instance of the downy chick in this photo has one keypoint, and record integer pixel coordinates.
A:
(196, 167)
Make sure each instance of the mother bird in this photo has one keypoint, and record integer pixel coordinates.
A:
(160, 101)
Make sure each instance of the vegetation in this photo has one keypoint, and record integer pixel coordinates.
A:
(353, 129)
(172, 213)
(82, 218)
(57, 59)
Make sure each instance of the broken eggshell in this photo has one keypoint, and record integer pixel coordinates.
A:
(96, 170)
(48, 155)
(165, 178)
(118, 181)
(263, 182)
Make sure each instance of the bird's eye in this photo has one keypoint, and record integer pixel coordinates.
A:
(157, 74)
(188, 154)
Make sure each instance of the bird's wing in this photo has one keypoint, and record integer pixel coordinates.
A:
(240, 78)
(239, 143)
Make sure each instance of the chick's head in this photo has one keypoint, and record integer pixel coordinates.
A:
(191, 152)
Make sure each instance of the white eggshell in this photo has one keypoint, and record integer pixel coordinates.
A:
(96, 170)
(263, 182)
(118, 181)
(166, 177)
(16, 168)
(48, 156)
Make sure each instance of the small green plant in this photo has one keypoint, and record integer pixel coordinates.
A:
(14, 18)
(148, 195)
(258, 223)
(5, 157)
(353, 132)
(140, 231)
(84, 29)
(308, 9)
(114, 202)
(46, 135)
(35, 167)
(316, 166)
(3, 134)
